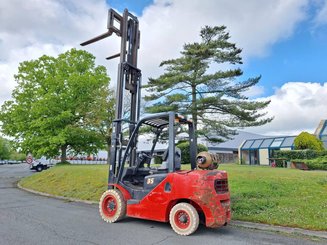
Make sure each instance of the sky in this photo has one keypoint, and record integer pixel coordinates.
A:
(283, 41)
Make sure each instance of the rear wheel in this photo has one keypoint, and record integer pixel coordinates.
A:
(112, 206)
(184, 219)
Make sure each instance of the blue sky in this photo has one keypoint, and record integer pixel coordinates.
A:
(302, 57)
(136, 6)
(284, 41)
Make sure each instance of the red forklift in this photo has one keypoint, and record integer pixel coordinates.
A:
(135, 187)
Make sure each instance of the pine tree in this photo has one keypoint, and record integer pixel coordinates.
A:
(194, 85)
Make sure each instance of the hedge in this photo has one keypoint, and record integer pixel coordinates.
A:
(319, 163)
(315, 160)
(299, 154)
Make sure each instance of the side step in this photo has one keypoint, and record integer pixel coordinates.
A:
(133, 201)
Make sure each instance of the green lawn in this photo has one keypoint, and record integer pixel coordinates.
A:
(86, 182)
(286, 197)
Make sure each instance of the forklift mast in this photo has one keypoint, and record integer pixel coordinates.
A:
(129, 79)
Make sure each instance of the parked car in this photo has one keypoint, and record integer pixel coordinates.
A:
(14, 162)
(41, 164)
(10, 162)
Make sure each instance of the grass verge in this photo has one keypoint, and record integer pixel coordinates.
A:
(276, 196)
(85, 182)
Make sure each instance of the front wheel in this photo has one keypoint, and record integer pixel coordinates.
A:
(184, 219)
(112, 206)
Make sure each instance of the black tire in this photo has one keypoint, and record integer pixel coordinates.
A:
(112, 206)
(184, 219)
(39, 168)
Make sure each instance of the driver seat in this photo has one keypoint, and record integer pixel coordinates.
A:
(178, 158)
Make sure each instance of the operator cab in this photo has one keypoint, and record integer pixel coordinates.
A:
(155, 137)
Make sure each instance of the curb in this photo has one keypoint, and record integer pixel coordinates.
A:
(236, 223)
(54, 196)
(281, 229)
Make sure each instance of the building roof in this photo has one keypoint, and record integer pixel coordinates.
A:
(269, 142)
(234, 143)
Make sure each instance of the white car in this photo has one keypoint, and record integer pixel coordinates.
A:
(41, 164)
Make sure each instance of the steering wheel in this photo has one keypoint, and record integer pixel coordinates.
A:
(144, 158)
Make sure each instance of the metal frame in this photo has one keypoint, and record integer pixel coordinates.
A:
(129, 78)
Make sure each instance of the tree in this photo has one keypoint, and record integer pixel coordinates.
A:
(185, 151)
(57, 105)
(4, 149)
(306, 141)
(216, 101)
(106, 118)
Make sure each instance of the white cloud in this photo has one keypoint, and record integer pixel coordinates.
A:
(254, 25)
(8, 69)
(321, 17)
(297, 107)
(25, 23)
(165, 25)
(31, 28)
(255, 91)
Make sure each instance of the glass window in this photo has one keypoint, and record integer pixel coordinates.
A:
(288, 142)
(323, 138)
(324, 132)
(256, 144)
(247, 144)
(277, 142)
(266, 143)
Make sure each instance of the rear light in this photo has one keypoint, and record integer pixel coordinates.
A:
(221, 186)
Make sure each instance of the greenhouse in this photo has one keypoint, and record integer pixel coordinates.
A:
(260, 151)
(321, 132)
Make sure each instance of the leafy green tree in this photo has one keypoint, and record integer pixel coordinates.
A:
(105, 120)
(57, 105)
(18, 156)
(185, 151)
(306, 141)
(194, 84)
(4, 149)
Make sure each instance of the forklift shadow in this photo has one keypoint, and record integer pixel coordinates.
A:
(201, 231)
(151, 223)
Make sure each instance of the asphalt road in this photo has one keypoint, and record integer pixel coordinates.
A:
(27, 218)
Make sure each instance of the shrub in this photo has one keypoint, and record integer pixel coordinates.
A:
(299, 154)
(319, 163)
(17, 156)
(308, 141)
(63, 163)
(185, 151)
(279, 163)
(315, 160)
(157, 160)
(242, 162)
